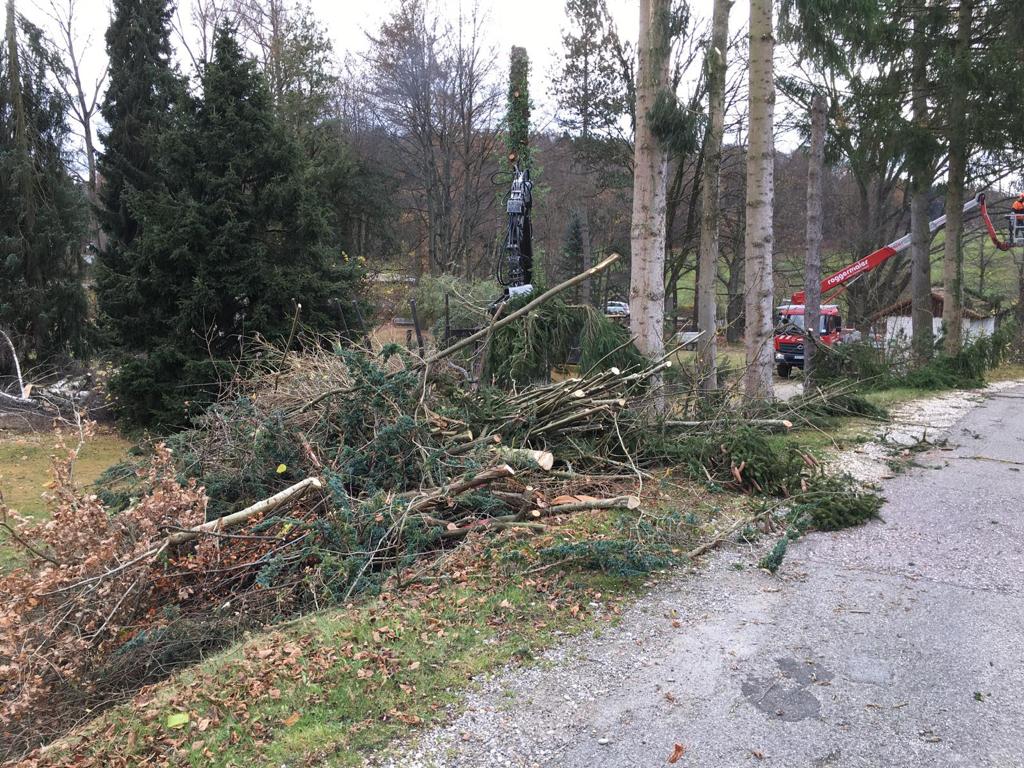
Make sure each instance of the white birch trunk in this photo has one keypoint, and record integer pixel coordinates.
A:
(647, 233)
(707, 277)
(760, 203)
(812, 264)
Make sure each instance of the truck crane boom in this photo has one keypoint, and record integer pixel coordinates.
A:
(877, 258)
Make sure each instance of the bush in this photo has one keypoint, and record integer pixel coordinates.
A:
(872, 369)
(467, 305)
(554, 334)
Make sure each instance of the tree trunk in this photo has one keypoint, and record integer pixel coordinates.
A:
(812, 266)
(647, 233)
(707, 267)
(921, 180)
(1019, 310)
(760, 203)
(952, 254)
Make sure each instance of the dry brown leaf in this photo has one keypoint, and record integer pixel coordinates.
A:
(678, 750)
(292, 719)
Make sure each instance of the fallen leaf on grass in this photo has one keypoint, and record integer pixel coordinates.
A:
(177, 720)
(292, 719)
(677, 752)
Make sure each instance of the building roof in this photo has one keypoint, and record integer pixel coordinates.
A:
(902, 308)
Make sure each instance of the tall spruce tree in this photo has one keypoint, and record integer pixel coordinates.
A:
(42, 211)
(142, 89)
(235, 238)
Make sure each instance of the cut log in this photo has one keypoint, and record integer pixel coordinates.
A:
(437, 495)
(524, 457)
(291, 493)
(619, 502)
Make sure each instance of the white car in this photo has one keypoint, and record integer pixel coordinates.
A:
(617, 309)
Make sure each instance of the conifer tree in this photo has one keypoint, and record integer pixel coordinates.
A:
(142, 88)
(42, 211)
(573, 252)
(234, 238)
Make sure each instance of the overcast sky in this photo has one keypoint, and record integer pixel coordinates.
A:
(534, 24)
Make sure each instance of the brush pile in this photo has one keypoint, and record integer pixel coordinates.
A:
(316, 478)
(313, 480)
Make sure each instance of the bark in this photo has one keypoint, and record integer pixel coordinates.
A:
(760, 203)
(920, 275)
(1019, 309)
(707, 273)
(291, 493)
(650, 169)
(812, 265)
(952, 255)
(921, 179)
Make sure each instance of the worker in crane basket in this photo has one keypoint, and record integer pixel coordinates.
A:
(1018, 208)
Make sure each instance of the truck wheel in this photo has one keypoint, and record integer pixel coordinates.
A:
(785, 370)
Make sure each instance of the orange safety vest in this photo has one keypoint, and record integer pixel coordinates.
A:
(1018, 208)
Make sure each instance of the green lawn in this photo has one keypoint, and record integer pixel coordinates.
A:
(25, 473)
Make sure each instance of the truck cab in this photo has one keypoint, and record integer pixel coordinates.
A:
(789, 334)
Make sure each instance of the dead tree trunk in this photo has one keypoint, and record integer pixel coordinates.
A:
(812, 265)
(647, 233)
(707, 274)
(760, 203)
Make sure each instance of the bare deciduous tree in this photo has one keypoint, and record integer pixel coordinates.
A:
(83, 97)
(433, 86)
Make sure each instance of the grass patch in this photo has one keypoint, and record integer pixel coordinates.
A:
(25, 473)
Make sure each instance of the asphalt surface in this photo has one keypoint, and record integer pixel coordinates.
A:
(895, 645)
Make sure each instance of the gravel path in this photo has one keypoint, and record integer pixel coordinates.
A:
(894, 645)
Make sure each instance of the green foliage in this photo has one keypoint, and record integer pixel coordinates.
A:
(234, 239)
(517, 119)
(764, 466)
(589, 84)
(142, 89)
(554, 334)
(571, 261)
(871, 370)
(772, 561)
(467, 304)
(618, 557)
(834, 503)
(675, 126)
(42, 210)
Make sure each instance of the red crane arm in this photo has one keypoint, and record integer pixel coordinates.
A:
(1000, 244)
(886, 252)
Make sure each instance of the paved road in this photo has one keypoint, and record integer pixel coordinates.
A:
(895, 645)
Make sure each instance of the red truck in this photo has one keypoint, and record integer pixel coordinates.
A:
(789, 333)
